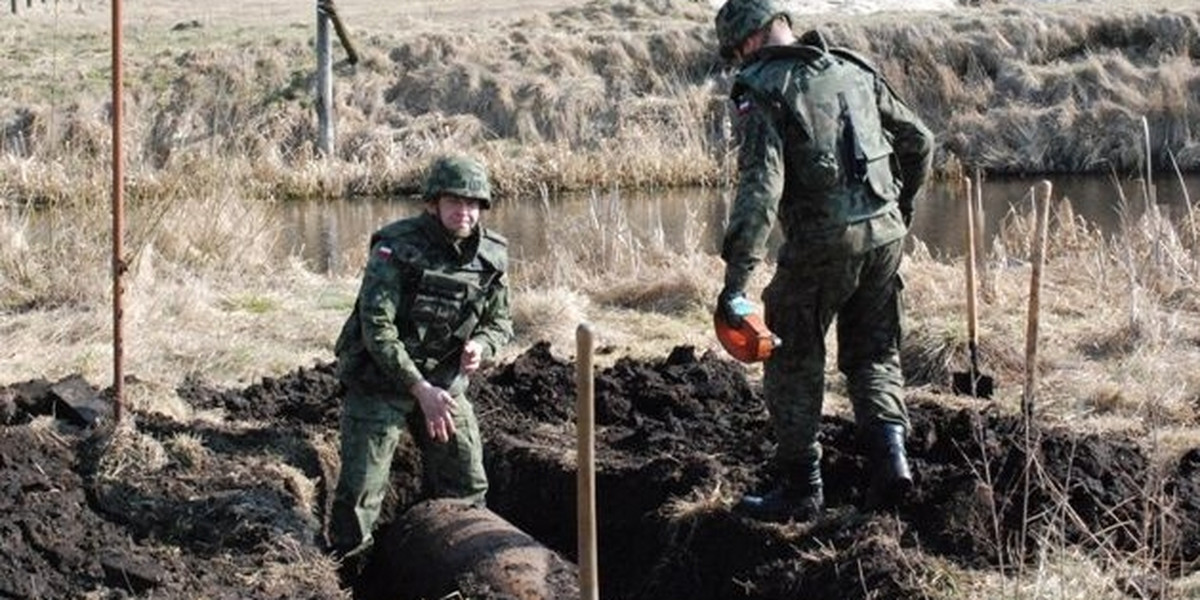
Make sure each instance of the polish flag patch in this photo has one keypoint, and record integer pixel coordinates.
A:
(744, 105)
(383, 253)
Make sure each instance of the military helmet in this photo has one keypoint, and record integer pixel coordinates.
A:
(460, 176)
(739, 19)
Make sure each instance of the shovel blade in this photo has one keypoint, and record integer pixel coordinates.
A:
(973, 384)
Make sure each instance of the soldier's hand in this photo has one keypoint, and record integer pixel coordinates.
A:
(472, 357)
(437, 405)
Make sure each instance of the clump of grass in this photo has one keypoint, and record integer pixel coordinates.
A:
(673, 293)
(58, 270)
(684, 511)
(156, 397)
(123, 451)
(548, 314)
(297, 569)
(931, 356)
(187, 450)
(303, 489)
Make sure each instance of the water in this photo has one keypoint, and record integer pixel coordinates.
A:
(331, 235)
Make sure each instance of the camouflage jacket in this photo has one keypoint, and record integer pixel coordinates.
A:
(826, 146)
(423, 296)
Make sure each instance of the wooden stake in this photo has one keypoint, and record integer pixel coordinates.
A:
(343, 36)
(1042, 210)
(585, 413)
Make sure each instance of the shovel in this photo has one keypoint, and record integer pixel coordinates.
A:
(972, 383)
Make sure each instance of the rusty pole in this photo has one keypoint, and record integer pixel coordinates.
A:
(118, 217)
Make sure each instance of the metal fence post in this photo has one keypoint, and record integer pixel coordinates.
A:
(324, 83)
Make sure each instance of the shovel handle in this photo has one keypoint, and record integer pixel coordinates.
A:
(1041, 209)
(972, 316)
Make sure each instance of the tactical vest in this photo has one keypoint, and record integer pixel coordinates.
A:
(838, 158)
(442, 302)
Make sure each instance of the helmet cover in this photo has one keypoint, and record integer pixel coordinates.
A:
(459, 176)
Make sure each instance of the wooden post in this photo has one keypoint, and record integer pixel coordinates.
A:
(585, 411)
(1041, 208)
(324, 84)
(343, 36)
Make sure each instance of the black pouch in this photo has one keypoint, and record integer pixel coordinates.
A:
(439, 301)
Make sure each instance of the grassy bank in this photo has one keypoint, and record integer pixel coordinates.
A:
(603, 93)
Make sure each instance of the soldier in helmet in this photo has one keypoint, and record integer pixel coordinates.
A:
(828, 149)
(433, 304)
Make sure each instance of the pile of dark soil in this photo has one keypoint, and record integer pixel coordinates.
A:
(235, 507)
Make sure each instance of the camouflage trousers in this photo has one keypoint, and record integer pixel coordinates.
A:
(371, 426)
(863, 291)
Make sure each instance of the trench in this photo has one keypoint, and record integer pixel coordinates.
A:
(678, 439)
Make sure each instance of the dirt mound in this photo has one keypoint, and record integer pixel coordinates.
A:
(167, 509)
(235, 508)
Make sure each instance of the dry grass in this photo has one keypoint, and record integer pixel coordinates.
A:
(1058, 574)
(593, 95)
(125, 452)
(188, 451)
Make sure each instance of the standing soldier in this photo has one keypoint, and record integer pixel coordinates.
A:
(828, 148)
(433, 304)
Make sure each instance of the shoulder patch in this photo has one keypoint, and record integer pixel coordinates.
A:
(396, 252)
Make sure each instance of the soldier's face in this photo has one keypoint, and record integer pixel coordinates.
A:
(752, 43)
(777, 32)
(458, 215)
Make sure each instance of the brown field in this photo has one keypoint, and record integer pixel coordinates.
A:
(233, 425)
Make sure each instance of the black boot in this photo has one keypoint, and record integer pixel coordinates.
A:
(891, 477)
(800, 496)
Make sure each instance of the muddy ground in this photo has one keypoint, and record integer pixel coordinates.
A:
(234, 507)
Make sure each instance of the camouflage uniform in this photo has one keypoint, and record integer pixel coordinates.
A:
(424, 294)
(828, 149)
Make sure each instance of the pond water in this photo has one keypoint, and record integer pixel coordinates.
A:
(328, 234)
